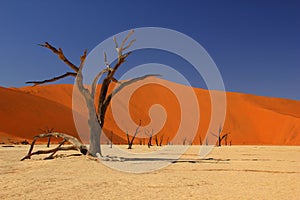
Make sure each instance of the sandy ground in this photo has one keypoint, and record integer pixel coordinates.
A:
(235, 172)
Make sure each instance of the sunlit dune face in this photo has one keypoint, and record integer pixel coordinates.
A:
(153, 104)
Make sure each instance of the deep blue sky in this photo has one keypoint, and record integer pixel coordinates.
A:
(255, 44)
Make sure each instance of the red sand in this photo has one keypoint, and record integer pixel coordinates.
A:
(25, 112)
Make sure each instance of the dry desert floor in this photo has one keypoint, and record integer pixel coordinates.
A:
(229, 172)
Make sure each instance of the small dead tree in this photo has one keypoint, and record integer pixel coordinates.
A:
(200, 140)
(220, 136)
(156, 140)
(150, 137)
(161, 139)
(111, 139)
(96, 113)
(184, 141)
(225, 139)
(130, 142)
(75, 145)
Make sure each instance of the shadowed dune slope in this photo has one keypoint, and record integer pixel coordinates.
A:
(250, 119)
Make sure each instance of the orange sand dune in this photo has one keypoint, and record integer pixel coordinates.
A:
(249, 120)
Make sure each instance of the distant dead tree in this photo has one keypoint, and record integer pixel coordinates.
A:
(130, 142)
(200, 140)
(158, 141)
(111, 138)
(161, 139)
(96, 112)
(221, 136)
(184, 141)
(225, 139)
(150, 137)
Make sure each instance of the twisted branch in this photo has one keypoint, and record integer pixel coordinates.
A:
(61, 55)
(52, 79)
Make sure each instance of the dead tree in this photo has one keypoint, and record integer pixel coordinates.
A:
(184, 140)
(220, 136)
(111, 139)
(225, 139)
(158, 141)
(75, 145)
(96, 113)
(130, 142)
(150, 138)
(161, 139)
(200, 140)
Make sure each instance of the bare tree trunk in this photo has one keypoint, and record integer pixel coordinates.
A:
(150, 141)
(111, 139)
(95, 134)
(130, 142)
(156, 140)
(200, 142)
(161, 140)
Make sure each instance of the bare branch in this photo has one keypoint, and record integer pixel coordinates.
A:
(82, 59)
(94, 84)
(129, 45)
(113, 79)
(126, 38)
(105, 61)
(79, 83)
(52, 79)
(127, 83)
(122, 48)
(116, 43)
(107, 100)
(61, 55)
(109, 78)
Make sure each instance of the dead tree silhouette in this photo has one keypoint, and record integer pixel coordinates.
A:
(96, 113)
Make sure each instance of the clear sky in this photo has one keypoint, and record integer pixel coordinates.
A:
(255, 44)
